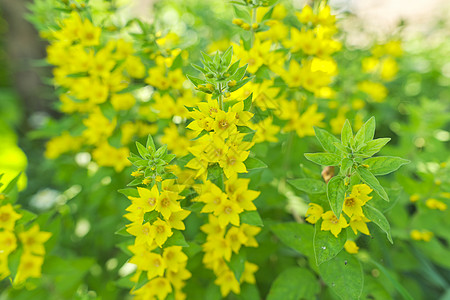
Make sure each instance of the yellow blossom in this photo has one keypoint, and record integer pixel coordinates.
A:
(33, 240)
(314, 213)
(332, 223)
(8, 217)
(351, 247)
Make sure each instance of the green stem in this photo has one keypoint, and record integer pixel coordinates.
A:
(253, 30)
(220, 99)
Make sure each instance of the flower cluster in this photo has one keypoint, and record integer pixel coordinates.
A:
(352, 208)
(32, 241)
(383, 67)
(156, 216)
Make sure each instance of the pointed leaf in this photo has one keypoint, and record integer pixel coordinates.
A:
(324, 159)
(372, 181)
(346, 134)
(326, 245)
(383, 165)
(336, 194)
(374, 146)
(326, 139)
(150, 143)
(378, 218)
(344, 275)
(308, 185)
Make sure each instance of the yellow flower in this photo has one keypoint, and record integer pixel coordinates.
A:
(353, 206)
(33, 240)
(8, 217)
(332, 223)
(147, 199)
(8, 242)
(361, 191)
(314, 213)
(156, 265)
(29, 266)
(358, 223)
(143, 233)
(228, 212)
(4, 269)
(213, 228)
(161, 231)
(176, 219)
(227, 282)
(250, 232)
(123, 101)
(351, 247)
(436, 204)
(249, 271)
(174, 258)
(236, 238)
(168, 204)
(265, 131)
(233, 162)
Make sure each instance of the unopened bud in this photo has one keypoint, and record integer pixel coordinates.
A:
(238, 22)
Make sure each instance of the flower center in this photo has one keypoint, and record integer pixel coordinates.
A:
(228, 210)
(151, 201)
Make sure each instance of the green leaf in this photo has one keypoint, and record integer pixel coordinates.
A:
(198, 68)
(267, 15)
(161, 151)
(326, 139)
(374, 146)
(395, 283)
(233, 68)
(142, 150)
(240, 84)
(248, 102)
(372, 181)
(326, 245)
(366, 132)
(132, 87)
(344, 275)
(341, 148)
(27, 216)
(336, 194)
(237, 263)
(296, 236)
(122, 231)
(347, 134)
(324, 159)
(378, 218)
(253, 163)
(293, 284)
(308, 185)
(177, 239)
(383, 165)
(150, 143)
(251, 218)
(129, 192)
(227, 55)
(196, 81)
(242, 13)
(12, 184)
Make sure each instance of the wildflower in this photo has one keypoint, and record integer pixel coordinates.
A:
(351, 247)
(176, 219)
(353, 206)
(33, 240)
(249, 271)
(8, 217)
(435, 204)
(156, 264)
(227, 282)
(161, 231)
(29, 266)
(8, 243)
(228, 212)
(314, 213)
(358, 223)
(143, 233)
(168, 204)
(332, 223)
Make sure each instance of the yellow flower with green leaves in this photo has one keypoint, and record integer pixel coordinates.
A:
(331, 223)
